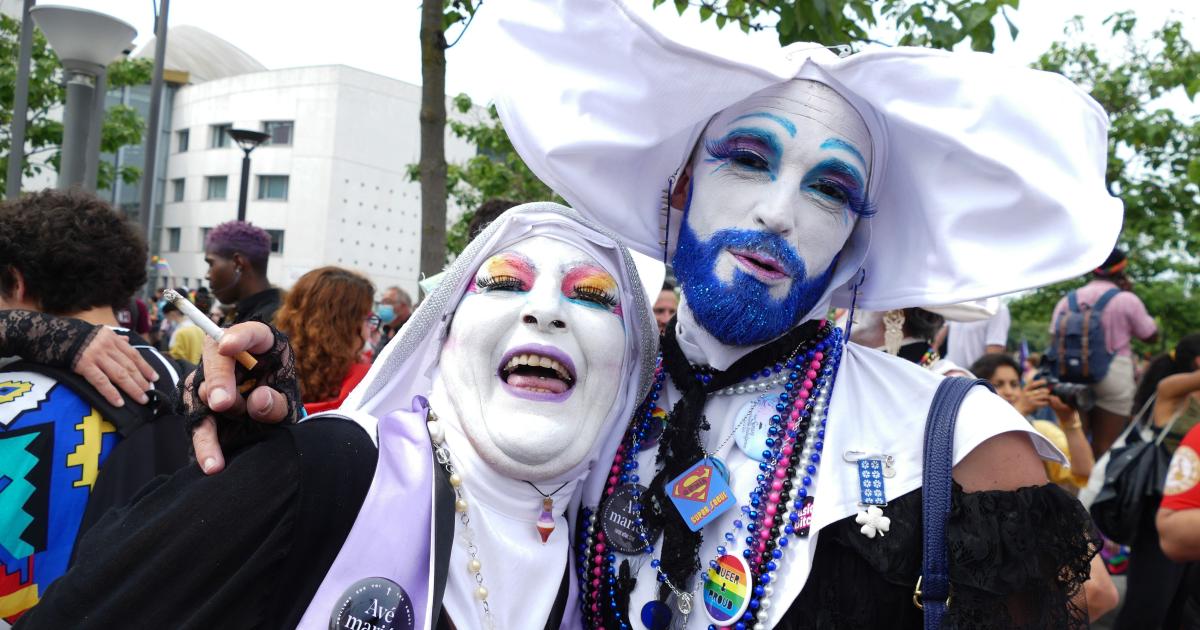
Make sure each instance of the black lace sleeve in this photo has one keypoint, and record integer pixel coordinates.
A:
(276, 369)
(1017, 560)
(41, 338)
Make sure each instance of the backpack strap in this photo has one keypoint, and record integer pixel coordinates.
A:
(1103, 301)
(1072, 302)
(932, 593)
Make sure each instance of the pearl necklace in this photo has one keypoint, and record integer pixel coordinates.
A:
(437, 435)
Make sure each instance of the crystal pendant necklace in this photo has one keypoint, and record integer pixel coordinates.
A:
(545, 522)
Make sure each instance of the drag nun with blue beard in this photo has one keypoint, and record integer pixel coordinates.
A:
(774, 476)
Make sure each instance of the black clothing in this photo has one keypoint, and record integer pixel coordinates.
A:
(246, 548)
(1156, 591)
(1016, 559)
(259, 307)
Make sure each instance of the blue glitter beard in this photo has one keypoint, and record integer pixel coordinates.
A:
(742, 312)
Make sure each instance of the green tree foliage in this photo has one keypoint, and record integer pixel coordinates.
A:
(935, 23)
(496, 171)
(43, 135)
(1153, 165)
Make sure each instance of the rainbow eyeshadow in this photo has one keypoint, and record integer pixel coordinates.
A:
(509, 271)
(590, 285)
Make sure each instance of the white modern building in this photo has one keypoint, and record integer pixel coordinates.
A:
(330, 186)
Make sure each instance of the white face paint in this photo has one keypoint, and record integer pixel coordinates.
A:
(778, 182)
(793, 160)
(533, 359)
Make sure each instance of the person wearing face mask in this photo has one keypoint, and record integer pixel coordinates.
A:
(236, 253)
(784, 488)
(328, 320)
(511, 382)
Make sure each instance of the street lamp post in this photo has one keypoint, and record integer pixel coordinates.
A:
(84, 41)
(248, 140)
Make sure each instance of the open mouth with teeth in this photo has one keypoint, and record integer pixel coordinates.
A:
(760, 265)
(538, 372)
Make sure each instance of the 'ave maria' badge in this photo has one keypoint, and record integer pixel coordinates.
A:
(619, 520)
(376, 603)
(701, 493)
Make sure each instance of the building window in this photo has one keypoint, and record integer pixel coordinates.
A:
(177, 189)
(273, 187)
(276, 241)
(173, 239)
(181, 140)
(279, 130)
(204, 237)
(219, 138)
(216, 187)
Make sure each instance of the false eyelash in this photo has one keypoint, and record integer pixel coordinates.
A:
(855, 201)
(502, 283)
(727, 148)
(593, 294)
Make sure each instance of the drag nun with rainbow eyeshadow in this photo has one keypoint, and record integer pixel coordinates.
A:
(776, 468)
(488, 410)
(529, 357)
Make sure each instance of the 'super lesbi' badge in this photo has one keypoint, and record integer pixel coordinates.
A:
(701, 493)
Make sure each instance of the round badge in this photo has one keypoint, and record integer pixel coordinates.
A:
(753, 422)
(656, 615)
(376, 603)
(654, 429)
(618, 520)
(727, 590)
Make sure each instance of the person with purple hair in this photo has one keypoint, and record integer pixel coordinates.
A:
(237, 253)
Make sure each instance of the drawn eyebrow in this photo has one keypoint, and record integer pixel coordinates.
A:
(783, 122)
(838, 143)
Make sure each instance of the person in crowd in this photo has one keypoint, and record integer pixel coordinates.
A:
(1123, 318)
(327, 317)
(1178, 519)
(1158, 587)
(665, 306)
(237, 254)
(779, 182)
(134, 315)
(465, 524)
(186, 342)
(394, 309)
(967, 341)
(1002, 371)
(487, 212)
(72, 448)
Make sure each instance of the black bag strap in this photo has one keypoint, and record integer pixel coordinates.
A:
(932, 593)
(443, 537)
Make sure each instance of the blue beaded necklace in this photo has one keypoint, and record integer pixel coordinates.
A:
(789, 444)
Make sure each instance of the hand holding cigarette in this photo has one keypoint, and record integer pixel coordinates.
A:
(215, 332)
(220, 396)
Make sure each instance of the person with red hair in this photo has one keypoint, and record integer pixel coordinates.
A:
(327, 316)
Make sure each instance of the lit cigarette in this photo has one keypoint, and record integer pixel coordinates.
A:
(190, 311)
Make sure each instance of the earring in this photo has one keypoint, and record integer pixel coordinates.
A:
(893, 330)
(666, 213)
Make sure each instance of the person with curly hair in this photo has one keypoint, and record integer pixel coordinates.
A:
(69, 442)
(237, 254)
(327, 316)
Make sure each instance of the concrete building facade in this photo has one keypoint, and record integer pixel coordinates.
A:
(331, 186)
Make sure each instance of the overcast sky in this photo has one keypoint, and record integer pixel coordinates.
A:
(381, 35)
